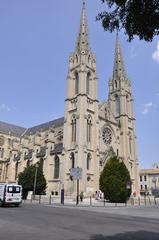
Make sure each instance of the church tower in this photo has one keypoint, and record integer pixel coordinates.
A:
(121, 104)
(81, 123)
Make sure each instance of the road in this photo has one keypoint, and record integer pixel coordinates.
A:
(37, 222)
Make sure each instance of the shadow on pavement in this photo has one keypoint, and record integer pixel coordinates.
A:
(140, 235)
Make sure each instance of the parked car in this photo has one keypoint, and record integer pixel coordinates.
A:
(10, 194)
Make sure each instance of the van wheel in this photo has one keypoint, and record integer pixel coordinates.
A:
(17, 205)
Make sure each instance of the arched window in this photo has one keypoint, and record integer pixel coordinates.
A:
(127, 104)
(28, 163)
(76, 59)
(72, 159)
(1, 152)
(88, 161)
(6, 174)
(117, 105)
(89, 126)
(73, 123)
(88, 83)
(56, 167)
(116, 85)
(76, 83)
(16, 170)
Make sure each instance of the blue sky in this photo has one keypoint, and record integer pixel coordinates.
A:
(36, 38)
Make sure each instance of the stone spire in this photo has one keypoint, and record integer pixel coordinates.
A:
(82, 40)
(119, 69)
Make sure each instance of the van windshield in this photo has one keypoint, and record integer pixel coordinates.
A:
(13, 189)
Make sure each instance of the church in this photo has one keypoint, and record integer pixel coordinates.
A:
(86, 137)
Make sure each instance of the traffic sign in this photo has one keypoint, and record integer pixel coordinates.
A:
(76, 173)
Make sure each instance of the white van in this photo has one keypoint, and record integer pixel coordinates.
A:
(10, 194)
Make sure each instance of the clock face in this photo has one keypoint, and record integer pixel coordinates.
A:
(107, 135)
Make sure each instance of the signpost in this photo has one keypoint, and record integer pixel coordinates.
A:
(76, 174)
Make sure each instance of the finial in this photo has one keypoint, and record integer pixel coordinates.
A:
(82, 40)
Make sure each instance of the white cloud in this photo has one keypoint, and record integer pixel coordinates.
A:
(145, 111)
(155, 55)
(5, 108)
(147, 107)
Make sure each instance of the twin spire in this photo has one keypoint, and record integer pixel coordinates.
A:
(119, 69)
(83, 46)
(82, 40)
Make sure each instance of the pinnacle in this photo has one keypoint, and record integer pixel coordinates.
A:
(82, 40)
(119, 69)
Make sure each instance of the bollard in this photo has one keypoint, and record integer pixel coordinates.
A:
(149, 201)
(155, 200)
(145, 199)
(31, 199)
(104, 202)
(90, 201)
(139, 200)
(62, 196)
(50, 200)
(39, 199)
(131, 201)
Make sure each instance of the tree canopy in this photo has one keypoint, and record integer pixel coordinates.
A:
(26, 179)
(115, 180)
(136, 17)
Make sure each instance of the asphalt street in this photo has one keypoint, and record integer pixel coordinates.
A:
(38, 222)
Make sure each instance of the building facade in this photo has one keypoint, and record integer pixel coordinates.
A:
(87, 136)
(149, 182)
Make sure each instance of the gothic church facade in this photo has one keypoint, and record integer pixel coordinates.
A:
(87, 136)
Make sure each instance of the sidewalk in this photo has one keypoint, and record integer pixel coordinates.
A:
(88, 202)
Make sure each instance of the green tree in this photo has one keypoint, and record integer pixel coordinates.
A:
(26, 179)
(114, 181)
(136, 17)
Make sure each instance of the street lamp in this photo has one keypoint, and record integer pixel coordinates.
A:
(35, 179)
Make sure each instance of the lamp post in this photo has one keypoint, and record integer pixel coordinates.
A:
(128, 188)
(35, 179)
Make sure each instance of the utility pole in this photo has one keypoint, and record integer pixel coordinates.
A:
(77, 199)
(35, 179)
